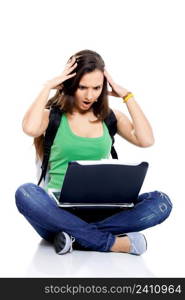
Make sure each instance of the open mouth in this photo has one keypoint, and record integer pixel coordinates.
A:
(86, 103)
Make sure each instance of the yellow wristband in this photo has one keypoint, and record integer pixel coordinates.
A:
(127, 97)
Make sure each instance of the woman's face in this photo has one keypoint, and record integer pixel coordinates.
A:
(89, 89)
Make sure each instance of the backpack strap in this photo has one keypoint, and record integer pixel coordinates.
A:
(54, 122)
(111, 123)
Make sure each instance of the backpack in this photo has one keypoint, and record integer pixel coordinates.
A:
(54, 122)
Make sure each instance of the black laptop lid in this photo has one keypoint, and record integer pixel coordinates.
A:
(102, 183)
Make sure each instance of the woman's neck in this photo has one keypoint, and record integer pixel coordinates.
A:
(77, 111)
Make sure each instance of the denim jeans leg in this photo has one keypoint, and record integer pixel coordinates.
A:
(45, 234)
(39, 208)
(150, 209)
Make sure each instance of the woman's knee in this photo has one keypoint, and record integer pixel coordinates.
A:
(164, 204)
(23, 195)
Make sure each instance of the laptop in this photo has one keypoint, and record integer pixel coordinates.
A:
(100, 183)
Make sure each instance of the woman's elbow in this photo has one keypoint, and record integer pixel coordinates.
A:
(147, 143)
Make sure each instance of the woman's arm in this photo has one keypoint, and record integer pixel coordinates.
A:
(137, 132)
(36, 118)
(37, 115)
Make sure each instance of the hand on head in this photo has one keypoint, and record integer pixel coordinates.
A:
(116, 90)
(56, 82)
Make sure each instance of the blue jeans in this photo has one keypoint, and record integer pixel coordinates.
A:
(48, 219)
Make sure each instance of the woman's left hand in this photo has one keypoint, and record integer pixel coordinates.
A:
(117, 90)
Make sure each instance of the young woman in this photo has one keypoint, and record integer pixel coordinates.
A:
(82, 94)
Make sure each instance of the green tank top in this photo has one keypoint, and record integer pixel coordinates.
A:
(68, 146)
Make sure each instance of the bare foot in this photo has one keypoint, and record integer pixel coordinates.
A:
(121, 244)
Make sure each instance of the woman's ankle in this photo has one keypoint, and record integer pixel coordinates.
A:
(121, 244)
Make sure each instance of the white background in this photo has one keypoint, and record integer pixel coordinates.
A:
(142, 43)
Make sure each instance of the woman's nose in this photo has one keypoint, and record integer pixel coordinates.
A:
(89, 95)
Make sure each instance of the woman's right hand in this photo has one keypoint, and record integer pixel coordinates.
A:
(56, 82)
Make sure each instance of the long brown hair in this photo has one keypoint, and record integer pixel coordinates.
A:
(87, 61)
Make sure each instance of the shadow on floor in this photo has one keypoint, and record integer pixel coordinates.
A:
(46, 263)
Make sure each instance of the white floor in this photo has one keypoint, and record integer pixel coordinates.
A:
(25, 254)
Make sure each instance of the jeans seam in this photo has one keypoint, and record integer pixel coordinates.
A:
(110, 241)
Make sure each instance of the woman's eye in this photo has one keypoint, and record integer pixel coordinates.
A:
(81, 87)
